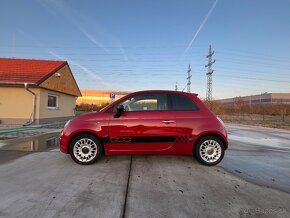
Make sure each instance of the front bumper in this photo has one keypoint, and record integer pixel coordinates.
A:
(63, 143)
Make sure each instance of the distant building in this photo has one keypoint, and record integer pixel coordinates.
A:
(260, 98)
(36, 91)
(99, 97)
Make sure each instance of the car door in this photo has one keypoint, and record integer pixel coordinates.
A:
(146, 125)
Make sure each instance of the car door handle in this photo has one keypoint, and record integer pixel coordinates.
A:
(168, 121)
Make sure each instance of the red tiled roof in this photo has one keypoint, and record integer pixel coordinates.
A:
(14, 70)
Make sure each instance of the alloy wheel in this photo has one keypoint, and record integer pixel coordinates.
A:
(210, 151)
(85, 150)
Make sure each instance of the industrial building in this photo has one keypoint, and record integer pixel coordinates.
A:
(99, 97)
(260, 98)
(36, 91)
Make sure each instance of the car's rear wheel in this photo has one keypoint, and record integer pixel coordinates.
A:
(209, 150)
(85, 149)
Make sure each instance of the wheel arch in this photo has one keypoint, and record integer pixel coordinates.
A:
(81, 133)
(201, 136)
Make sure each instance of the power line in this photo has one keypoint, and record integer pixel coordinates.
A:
(250, 53)
(222, 50)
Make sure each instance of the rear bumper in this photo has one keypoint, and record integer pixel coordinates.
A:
(225, 136)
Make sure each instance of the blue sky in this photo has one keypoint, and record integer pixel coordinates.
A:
(141, 44)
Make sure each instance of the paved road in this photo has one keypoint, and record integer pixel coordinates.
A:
(259, 155)
(42, 182)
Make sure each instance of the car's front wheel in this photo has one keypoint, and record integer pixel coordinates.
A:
(209, 150)
(85, 149)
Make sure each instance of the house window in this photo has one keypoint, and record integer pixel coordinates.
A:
(52, 102)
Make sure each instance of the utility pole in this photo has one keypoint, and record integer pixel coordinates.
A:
(188, 78)
(176, 87)
(209, 74)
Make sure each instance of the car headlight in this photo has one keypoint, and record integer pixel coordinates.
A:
(66, 123)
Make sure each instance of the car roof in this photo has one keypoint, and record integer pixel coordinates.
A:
(165, 91)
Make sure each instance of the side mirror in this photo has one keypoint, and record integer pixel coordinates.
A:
(120, 110)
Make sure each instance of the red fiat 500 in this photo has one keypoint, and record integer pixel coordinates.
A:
(147, 122)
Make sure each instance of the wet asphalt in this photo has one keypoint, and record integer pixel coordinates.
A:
(259, 155)
(36, 180)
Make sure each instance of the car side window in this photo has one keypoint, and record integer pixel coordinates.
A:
(182, 103)
(145, 102)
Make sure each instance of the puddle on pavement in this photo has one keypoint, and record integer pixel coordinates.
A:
(35, 144)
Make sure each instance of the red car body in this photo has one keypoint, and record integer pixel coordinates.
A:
(146, 132)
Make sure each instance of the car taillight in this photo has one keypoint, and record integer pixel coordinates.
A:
(221, 121)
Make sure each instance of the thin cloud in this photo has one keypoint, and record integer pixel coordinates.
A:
(89, 72)
(67, 11)
(201, 25)
(61, 8)
(69, 14)
(92, 39)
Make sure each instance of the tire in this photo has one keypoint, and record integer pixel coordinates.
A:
(85, 149)
(209, 150)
